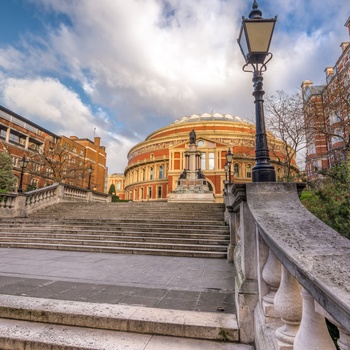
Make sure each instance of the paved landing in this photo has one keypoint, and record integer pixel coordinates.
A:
(196, 284)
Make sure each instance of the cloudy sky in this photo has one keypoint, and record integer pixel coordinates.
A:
(120, 69)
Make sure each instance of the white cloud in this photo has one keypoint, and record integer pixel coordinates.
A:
(145, 63)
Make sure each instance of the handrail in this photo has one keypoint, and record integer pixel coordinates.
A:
(20, 205)
(272, 235)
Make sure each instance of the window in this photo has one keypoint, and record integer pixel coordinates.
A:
(159, 192)
(249, 171)
(141, 197)
(151, 173)
(143, 174)
(161, 172)
(236, 170)
(211, 161)
(338, 137)
(200, 143)
(118, 185)
(203, 161)
(149, 192)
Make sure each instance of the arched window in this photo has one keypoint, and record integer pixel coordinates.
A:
(161, 172)
(236, 170)
(118, 185)
(249, 171)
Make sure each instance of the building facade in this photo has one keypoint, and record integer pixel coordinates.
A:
(155, 165)
(327, 115)
(52, 158)
(118, 180)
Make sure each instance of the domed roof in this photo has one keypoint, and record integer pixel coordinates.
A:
(208, 117)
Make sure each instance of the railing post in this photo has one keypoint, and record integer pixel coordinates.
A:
(313, 333)
(20, 205)
(245, 261)
(288, 305)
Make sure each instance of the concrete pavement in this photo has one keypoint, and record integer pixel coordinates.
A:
(195, 284)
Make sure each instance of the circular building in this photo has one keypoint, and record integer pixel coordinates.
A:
(155, 165)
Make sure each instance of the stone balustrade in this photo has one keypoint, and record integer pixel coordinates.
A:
(292, 270)
(20, 205)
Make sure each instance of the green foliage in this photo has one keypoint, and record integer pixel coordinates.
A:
(111, 190)
(7, 180)
(329, 199)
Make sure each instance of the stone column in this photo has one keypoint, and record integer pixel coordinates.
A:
(288, 307)
(313, 333)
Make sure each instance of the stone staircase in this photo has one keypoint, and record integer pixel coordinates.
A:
(159, 228)
(33, 323)
(30, 322)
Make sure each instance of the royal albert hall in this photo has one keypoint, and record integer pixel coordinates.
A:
(155, 165)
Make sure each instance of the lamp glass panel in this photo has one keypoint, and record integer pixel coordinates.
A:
(23, 163)
(242, 41)
(259, 34)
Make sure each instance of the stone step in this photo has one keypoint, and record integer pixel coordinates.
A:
(33, 323)
(110, 230)
(24, 335)
(116, 244)
(132, 318)
(204, 239)
(114, 225)
(119, 250)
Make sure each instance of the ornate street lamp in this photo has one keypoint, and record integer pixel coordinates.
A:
(229, 158)
(254, 40)
(90, 170)
(23, 164)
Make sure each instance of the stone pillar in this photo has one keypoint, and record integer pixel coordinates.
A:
(313, 333)
(8, 132)
(246, 286)
(20, 205)
(288, 306)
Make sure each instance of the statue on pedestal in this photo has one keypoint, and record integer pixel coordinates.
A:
(193, 137)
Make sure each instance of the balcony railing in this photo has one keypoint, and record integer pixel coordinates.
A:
(292, 270)
(20, 205)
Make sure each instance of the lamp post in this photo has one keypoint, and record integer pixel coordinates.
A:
(90, 170)
(23, 164)
(254, 40)
(226, 171)
(229, 157)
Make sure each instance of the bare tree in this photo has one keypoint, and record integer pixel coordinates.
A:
(285, 119)
(59, 163)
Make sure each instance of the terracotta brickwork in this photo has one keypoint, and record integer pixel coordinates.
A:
(154, 166)
(326, 115)
(52, 158)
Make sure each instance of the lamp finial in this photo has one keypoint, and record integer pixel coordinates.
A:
(255, 13)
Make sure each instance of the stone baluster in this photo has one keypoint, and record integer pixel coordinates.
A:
(344, 339)
(271, 275)
(288, 305)
(313, 333)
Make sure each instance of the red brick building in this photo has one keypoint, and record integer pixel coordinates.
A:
(327, 115)
(154, 166)
(52, 158)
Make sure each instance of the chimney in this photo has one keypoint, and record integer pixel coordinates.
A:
(97, 141)
(329, 71)
(344, 45)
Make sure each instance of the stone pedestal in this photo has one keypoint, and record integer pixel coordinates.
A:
(192, 185)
